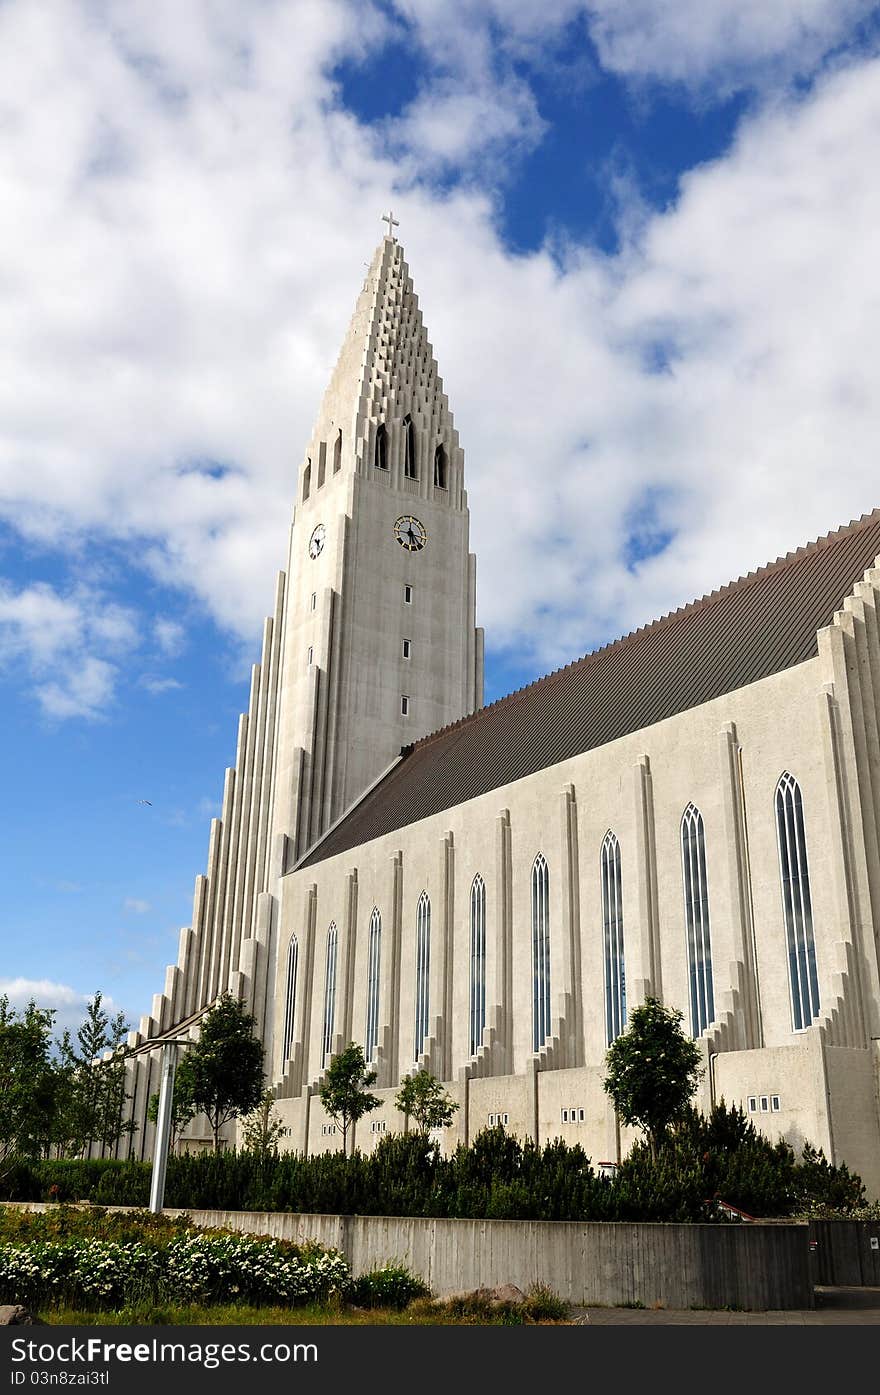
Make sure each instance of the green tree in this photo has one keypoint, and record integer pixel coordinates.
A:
(27, 1081)
(222, 1073)
(94, 1072)
(423, 1099)
(345, 1092)
(262, 1128)
(653, 1069)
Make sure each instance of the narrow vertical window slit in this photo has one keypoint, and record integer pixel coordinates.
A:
(329, 995)
(697, 928)
(540, 952)
(371, 1035)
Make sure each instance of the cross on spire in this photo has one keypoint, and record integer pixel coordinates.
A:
(392, 222)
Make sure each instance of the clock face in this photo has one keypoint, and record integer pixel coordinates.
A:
(410, 533)
(317, 540)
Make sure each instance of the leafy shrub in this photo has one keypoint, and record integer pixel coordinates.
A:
(218, 1268)
(94, 1273)
(392, 1286)
(106, 1180)
(71, 1222)
(169, 1263)
(543, 1305)
(480, 1307)
(819, 1184)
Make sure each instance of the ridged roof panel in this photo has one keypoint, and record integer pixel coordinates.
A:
(754, 627)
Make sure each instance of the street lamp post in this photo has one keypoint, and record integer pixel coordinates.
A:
(170, 1052)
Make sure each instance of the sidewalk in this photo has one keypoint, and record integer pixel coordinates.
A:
(835, 1307)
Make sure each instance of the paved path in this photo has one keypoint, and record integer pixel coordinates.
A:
(834, 1308)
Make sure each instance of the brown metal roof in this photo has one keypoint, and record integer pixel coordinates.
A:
(759, 625)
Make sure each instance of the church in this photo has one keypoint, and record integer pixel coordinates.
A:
(692, 811)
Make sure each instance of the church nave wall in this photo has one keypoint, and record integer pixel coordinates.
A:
(777, 724)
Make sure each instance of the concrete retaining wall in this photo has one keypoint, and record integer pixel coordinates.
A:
(844, 1256)
(751, 1266)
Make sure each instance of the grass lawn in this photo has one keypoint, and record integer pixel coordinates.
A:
(419, 1314)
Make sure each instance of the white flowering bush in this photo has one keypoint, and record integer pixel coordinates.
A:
(97, 1272)
(228, 1267)
(193, 1267)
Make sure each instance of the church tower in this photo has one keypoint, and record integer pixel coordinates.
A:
(380, 645)
(371, 646)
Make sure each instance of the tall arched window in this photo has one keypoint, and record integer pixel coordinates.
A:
(329, 994)
(337, 453)
(307, 480)
(696, 913)
(796, 903)
(290, 999)
(612, 921)
(440, 467)
(423, 971)
(478, 963)
(409, 449)
(381, 457)
(371, 1035)
(540, 952)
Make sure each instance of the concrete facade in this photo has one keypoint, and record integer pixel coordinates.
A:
(326, 718)
(819, 1084)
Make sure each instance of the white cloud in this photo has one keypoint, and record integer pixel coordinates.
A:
(135, 906)
(452, 124)
(56, 636)
(68, 1003)
(163, 359)
(156, 685)
(38, 623)
(169, 635)
(113, 626)
(732, 42)
(86, 690)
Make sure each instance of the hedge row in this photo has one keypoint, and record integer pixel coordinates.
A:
(496, 1177)
(202, 1268)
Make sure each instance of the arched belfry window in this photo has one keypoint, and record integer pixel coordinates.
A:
(381, 457)
(290, 999)
(423, 972)
(540, 952)
(329, 994)
(337, 453)
(797, 905)
(409, 450)
(371, 1034)
(612, 926)
(696, 912)
(440, 467)
(478, 964)
(307, 480)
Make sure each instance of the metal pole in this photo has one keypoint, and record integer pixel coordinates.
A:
(713, 1057)
(163, 1126)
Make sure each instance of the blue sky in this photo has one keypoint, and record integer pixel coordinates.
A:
(644, 241)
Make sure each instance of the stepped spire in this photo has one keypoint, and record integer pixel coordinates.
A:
(386, 371)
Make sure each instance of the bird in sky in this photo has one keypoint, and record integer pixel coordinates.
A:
(146, 801)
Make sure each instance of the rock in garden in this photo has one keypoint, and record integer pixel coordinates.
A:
(504, 1293)
(14, 1315)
